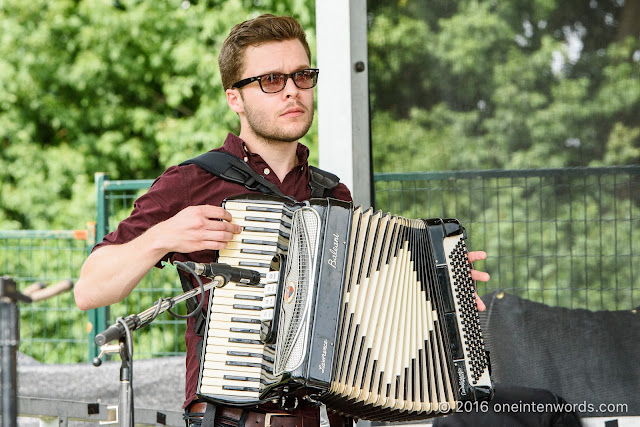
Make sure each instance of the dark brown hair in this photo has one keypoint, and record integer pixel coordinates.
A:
(254, 32)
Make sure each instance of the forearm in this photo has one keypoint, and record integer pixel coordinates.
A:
(110, 273)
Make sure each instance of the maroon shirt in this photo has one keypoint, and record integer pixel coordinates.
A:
(182, 186)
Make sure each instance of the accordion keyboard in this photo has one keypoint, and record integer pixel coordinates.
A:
(236, 363)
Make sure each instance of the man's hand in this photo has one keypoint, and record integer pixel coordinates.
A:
(197, 228)
(479, 275)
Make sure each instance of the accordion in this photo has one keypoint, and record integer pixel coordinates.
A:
(370, 314)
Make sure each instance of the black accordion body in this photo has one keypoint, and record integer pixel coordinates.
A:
(371, 314)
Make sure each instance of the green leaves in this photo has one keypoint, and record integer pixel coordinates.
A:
(89, 87)
(131, 90)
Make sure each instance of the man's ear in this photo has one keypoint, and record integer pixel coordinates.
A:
(234, 100)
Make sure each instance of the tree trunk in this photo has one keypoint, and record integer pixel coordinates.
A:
(629, 20)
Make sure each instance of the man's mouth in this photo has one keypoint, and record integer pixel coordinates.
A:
(293, 112)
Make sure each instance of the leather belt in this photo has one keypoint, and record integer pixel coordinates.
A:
(228, 416)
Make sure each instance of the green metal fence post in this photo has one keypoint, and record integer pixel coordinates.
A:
(98, 317)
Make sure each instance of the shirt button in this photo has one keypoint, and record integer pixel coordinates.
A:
(267, 171)
(246, 149)
(246, 159)
(301, 168)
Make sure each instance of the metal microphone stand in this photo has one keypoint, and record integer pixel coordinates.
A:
(121, 331)
(9, 340)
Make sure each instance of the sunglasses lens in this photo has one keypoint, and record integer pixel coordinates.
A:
(305, 79)
(273, 82)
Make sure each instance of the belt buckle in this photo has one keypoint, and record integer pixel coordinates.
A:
(268, 415)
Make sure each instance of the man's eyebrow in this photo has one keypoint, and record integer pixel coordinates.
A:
(279, 70)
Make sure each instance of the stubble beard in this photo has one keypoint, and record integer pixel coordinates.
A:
(272, 134)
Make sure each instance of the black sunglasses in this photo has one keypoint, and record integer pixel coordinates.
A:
(275, 82)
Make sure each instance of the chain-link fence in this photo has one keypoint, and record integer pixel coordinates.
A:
(164, 336)
(563, 237)
(52, 330)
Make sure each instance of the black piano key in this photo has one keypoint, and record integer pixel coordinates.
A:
(261, 229)
(256, 252)
(245, 330)
(248, 297)
(242, 353)
(240, 378)
(238, 388)
(243, 364)
(259, 242)
(247, 307)
(245, 320)
(245, 341)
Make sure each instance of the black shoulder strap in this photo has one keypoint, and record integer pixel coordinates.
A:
(322, 182)
(231, 168)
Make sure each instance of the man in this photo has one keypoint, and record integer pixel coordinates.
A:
(265, 66)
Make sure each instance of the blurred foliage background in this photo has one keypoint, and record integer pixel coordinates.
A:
(504, 84)
(132, 87)
(128, 88)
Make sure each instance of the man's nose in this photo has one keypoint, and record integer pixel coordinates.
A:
(290, 87)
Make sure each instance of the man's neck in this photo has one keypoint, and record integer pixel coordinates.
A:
(280, 156)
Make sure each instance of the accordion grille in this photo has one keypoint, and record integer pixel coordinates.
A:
(300, 270)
